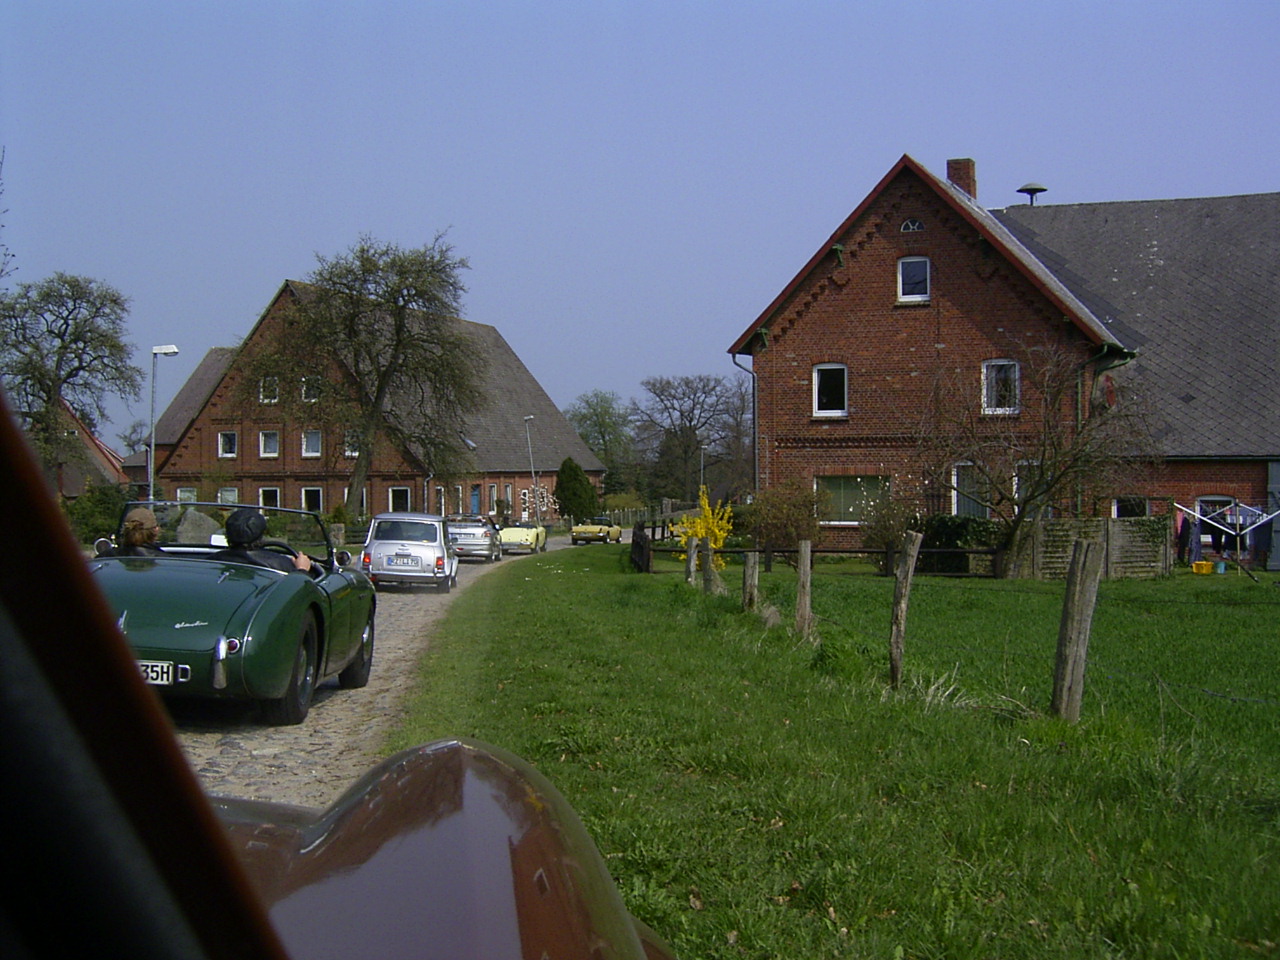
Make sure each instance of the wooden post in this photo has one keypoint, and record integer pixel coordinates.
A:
(901, 596)
(750, 580)
(708, 568)
(1073, 633)
(804, 591)
(690, 559)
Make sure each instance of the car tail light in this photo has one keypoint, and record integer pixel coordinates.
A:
(440, 564)
(366, 560)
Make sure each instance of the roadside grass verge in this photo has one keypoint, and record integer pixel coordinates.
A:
(758, 796)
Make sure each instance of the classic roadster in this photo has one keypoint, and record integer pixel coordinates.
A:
(597, 529)
(205, 624)
(528, 535)
(453, 850)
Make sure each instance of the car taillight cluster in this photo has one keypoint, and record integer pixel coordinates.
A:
(440, 564)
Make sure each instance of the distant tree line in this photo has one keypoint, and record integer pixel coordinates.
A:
(682, 433)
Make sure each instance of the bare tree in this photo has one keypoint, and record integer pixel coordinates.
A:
(63, 348)
(1045, 449)
(386, 319)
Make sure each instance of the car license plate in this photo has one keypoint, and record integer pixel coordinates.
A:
(402, 561)
(158, 672)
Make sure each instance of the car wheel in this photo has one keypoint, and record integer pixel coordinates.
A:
(294, 706)
(443, 585)
(356, 674)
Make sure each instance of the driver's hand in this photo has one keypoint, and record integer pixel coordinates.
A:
(302, 562)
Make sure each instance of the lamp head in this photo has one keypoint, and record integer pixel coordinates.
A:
(166, 350)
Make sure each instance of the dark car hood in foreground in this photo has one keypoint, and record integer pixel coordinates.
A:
(451, 850)
(171, 602)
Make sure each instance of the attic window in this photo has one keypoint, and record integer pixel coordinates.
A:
(912, 225)
(913, 280)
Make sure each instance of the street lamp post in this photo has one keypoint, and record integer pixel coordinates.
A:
(533, 476)
(167, 350)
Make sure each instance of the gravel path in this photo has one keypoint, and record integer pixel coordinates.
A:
(311, 764)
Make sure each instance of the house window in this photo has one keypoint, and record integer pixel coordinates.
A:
(1130, 507)
(493, 497)
(830, 390)
(312, 499)
(226, 443)
(269, 390)
(913, 280)
(229, 495)
(849, 499)
(311, 443)
(351, 445)
(362, 509)
(186, 494)
(912, 225)
(310, 389)
(965, 486)
(398, 499)
(268, 496)
(268, 444)
(1000, 390)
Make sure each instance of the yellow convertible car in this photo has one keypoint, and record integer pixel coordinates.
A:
(528, 535)
(598, 530)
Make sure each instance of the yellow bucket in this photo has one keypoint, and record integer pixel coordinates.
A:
(1202, 566)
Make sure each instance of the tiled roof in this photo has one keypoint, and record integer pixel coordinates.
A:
(1194, 287)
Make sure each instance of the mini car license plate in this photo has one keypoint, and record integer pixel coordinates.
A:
(402, 561)
(158, 672)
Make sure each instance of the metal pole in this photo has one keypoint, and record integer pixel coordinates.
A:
(165, 350)
(533, 476)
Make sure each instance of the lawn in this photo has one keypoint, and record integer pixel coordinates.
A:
(758, 796)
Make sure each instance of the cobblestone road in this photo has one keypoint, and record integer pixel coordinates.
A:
(311, 764)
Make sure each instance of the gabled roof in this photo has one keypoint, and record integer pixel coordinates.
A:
(1192, 285)
(988, 226)
(498, 430)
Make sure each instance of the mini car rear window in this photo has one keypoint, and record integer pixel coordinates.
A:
(409, 530)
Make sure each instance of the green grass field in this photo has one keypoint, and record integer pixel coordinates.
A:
(759, 796)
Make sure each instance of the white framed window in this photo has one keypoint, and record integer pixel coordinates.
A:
(1130, 507)
(964, 483)
(229, 495)
(269, 390)
(912, 225)
(311, 443)
(506, 496)
(913, 280)
(850, 499)
(268, 496)
(493, 497)
(313, 499)
(186, 494)
(310, 389)
(398, 499)
(363, 508)
(227, 442)
(830, 390)
(269, 444)
(458, 506)
(1001, 390)
(351, 445)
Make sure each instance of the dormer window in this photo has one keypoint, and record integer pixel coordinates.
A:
(913, 280)
(912, 225)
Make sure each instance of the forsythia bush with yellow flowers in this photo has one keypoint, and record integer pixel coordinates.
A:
(713, 522)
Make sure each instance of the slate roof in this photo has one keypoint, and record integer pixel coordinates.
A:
(1194, 287)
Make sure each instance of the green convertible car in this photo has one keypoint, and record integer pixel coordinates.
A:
(207, 620)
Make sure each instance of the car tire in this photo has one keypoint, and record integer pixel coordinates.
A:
(443, 586)
(356, 674)
(294, 706)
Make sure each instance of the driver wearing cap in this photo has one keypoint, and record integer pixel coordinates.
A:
(245, 530)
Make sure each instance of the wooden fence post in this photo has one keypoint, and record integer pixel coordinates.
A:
(804, 591)
(901, 596)
(750, 580)
(710, 579)
(690, 559)
(1073, 632)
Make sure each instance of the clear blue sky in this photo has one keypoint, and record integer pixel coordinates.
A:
(631, 182)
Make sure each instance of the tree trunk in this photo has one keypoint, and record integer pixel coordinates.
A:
(901, 597)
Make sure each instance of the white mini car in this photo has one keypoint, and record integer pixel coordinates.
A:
(410, 548)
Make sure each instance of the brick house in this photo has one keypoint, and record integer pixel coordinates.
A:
(920, 285)
(208, 447)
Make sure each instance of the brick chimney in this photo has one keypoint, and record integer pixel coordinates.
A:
(963, 175)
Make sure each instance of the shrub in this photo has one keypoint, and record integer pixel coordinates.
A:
(96, 512)
(711, 522)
